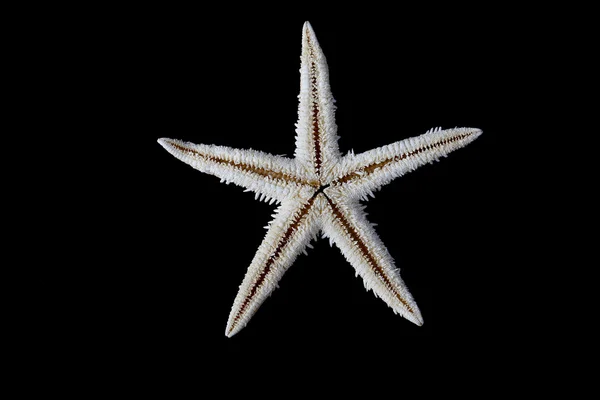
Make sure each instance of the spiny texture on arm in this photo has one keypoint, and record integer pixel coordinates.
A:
(367, 172)
(272, 178)
(316, 139)
(294, 226)
(346, 225)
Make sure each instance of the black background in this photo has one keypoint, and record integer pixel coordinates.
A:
(183, 241)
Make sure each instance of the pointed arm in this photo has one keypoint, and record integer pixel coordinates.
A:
(346, 225)
(270, 177)
(369, 171)
(288, 234)
(316, 140)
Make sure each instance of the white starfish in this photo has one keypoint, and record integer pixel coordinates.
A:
(319, 190)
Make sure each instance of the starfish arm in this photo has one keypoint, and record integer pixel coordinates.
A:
(272, 178)
(295, 224)
(367, 172)
(346, 225)
(316, 141)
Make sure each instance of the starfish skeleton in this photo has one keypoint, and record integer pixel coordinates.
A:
(319, 190)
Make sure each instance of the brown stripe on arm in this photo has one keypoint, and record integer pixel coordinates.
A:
(245, 167)
(366, 253)
(364, 171)
(315, 116)
(269, 265)
(316, 131)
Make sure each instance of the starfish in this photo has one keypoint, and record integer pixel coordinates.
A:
(319, 190)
